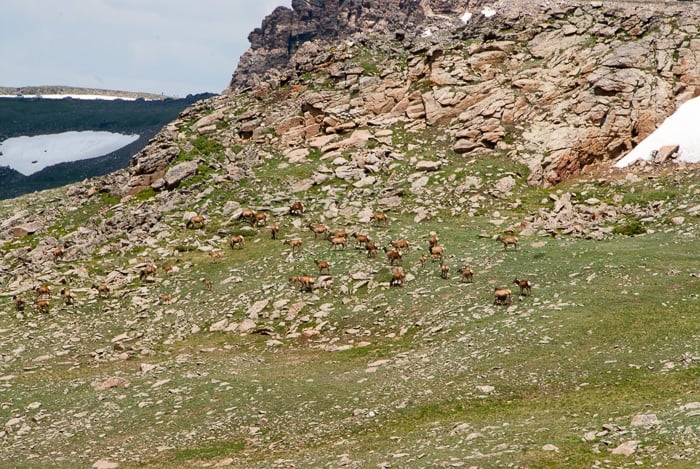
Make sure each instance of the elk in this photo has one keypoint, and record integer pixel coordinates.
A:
(422, 260)
(371, 249)
(467, 274)
(507, 240)
(525, 286)
(339, 241)
(274, 230)
(58, 253)
(208, 284)
(397, 278)
(323, 265)
(236, 240)
(393, 256)
(42, 305)
(147, 271)
(360, 239)
(43, 291)
(297, 208)
(380, 218)
(216, 256)
(259, 219)
(294, 244)
(102, 289)
(68, 296)
(436, 253)
(166, 298)
(444, 271)
(167, 268)
(318, 229)
(501, 296)
(306, 282)
(19, 302)
(337, 234)
(432, 241)
(247, 214)
(196, 221)
(400, 244)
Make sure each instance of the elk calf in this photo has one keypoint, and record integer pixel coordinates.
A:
(444, 271)
(323, 265)
(208, 284)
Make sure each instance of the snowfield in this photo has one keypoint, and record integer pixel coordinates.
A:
(28, 155)
(680, 129)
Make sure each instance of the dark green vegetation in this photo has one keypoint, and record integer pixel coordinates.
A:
(30, 117)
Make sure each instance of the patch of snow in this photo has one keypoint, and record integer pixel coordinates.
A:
(488, 12)
(680, 129)
(465, 17)
(427, 33)
(28, 155)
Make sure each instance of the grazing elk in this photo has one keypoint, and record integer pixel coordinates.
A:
(467, 274)
(294, 244)
(236, 240)
(525, 286)
(380, 218)
(102, 290)
(166, 298)
(247, 214)
(397, 278)
(260, 219)
(432, 241)
(422, 260)
(297, 208)
(323, 265)
(306, 282)
(58, 253)
(501, 296)
(339, 242)
(274, 231)
(208, 284)
(196, 221)
(318, 229)
(437, 253)
(148, 271)
(400, 244)
(393, 256)
(372, 249)
(508, 240)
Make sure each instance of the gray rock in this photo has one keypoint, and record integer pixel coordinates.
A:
(179, 172)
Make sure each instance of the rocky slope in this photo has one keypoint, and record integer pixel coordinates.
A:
(473, 131)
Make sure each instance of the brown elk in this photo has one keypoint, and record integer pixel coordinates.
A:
(306, 282)
(19, 302)
(422, 260)
(236, 240)
(323, 265)
(437, 253)
(337, 234)
(393, 256)
(68, 296)
(467, 274)
(444, 271)
(524, 285)
(148, 271)
(297, 208)
(501, 296)
(43, 291)
(166, 298)
(196, 221)
(397, 278)
(432, 241)
(274, 231)
(318, 229)
(339, 242)
(247, 214)
(216, 256)
(294, 244)
(208, 284)
(400, 244)
(58, 253)
(167, 268)
(260, 219)
(102, 289)
(372, 249)
(380, 218)
(42, 305)
(508, 240)
(360, 239)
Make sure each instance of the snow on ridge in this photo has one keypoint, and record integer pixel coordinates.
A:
(680, 129)
(488, 12)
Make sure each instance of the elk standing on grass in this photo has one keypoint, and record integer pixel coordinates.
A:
(196, 221)
(393, 256)
(236, 240)
(339, 242)
(102, 290)
(323, 265)
(208, 284)
(297, 208)
(68, 296)
(525, 286)
(397, 278)
(247, 214)
(294, 244)
(19, 302)
(318, 229)
(306, 282)
(380, 218)
(216, 256)
(148, 271)
(58, 253)
(508, 240)
(360, 239)
(43, 291)
(260, 219)
(467, 274)
(42, 305)
(444, 271)
(437, 253)
(274, 230)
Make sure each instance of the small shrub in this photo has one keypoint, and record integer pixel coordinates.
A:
(632, 228)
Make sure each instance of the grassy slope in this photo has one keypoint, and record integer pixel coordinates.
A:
(609, 332)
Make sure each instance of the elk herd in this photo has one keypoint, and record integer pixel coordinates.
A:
(394, 251)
